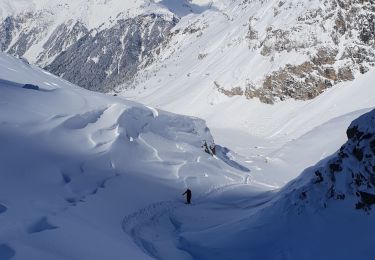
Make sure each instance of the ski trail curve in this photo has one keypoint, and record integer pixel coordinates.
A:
(155, 226)
(145, 226)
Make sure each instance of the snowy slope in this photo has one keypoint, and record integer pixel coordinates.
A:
(74, 163)
(207, 58)
(213, 51)
(110, 172)
(285, 137)
(91, 176)
(326, 213)
(271, 50)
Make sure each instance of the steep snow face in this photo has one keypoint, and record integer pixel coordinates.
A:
(74, 163)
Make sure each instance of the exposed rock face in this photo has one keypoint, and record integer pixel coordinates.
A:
(348, 175)
(337, 38)
(101, 61)
(61, 39)
(327, 67)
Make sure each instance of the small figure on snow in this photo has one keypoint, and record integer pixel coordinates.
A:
(209, 149)
(188, 196)
(205, 147)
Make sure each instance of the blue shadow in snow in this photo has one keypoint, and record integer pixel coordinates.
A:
(222, 153)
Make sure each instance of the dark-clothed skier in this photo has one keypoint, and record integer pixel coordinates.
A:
(188, 196)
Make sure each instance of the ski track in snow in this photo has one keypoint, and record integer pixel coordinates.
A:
(141, 224)
(147, 218)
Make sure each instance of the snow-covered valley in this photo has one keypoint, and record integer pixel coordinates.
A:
(283, 91)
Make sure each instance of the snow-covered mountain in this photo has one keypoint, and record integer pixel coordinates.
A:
(91, 176)
(211, 59)
(271, 50)
(96, 44)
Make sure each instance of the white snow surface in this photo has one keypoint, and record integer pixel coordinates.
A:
(75, 163)
(92, 176)
(217, 51)
(294, 134)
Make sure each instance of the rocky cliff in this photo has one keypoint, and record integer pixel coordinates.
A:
(348, 175)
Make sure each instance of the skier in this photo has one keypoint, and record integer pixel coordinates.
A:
(188, 196)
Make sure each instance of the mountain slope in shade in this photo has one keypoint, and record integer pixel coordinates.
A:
(326, 213)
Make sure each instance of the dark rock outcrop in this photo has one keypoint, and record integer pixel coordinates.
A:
(348, 175)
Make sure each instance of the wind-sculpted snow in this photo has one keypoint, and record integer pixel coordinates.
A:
(74, 163)
(81, 121)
